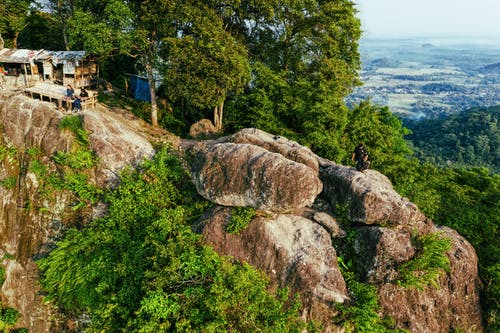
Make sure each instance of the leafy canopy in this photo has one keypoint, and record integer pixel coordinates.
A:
(142, 269)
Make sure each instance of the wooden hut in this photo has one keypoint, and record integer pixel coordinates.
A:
(24, 68)
(18, 67)
(69, 67)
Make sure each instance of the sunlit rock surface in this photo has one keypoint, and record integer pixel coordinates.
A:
(295, 239)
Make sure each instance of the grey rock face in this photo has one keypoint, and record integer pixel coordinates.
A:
(277, 144)
(294, 251)
(26, 234)
(245, 175)
(369, 196)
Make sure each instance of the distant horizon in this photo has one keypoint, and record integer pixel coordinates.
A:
(439, 39)
(428, 18)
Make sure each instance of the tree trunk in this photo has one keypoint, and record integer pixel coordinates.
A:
(152, 93)
(14, 40)
(218, 116)
(65, 36)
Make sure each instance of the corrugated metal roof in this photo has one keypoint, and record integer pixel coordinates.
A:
(64, 56)
(23, 56)
(18, 56)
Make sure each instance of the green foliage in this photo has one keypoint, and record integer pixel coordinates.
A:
(205, 62)
(7, 152)
(240, 219)
(80, 157)
(72, 167)
(2, 275)
(38, 168)
(13, 19)
(428, 264)
(8, 318)
(42, 31)
(362, 315)
(105, 27)
(79, 185)
(466, 139)
(142, 269)
(77, 159)
(382, 134)
(9, 182)
(75, 125)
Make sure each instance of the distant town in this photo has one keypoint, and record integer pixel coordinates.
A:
(420, 78)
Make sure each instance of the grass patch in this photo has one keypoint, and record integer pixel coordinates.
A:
(428, 264)
(240, 219)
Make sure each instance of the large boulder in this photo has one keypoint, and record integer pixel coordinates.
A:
(246, 175)
(293, 250)
(451, 306)
(202, 129)
(277, 144)
(369, 196)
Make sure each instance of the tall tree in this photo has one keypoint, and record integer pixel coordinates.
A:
(121, 27)
(42, 32)
(13, 19)
(205, 63)
(62, 11)
(305, 58)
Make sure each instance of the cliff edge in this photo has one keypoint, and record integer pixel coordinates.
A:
(302, 200)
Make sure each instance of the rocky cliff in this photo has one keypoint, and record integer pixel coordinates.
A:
(296, 237)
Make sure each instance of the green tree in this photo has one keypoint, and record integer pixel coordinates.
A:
(42, 32)
(62, 11)
(304, 57)
(381, 132)
(465, 139)
(142, 269)
(116, 27)
(204, 62)
(13, 19)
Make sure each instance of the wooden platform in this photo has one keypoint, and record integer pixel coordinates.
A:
(57, 93)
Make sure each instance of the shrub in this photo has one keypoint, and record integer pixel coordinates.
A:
(240, 219)
(141, 268)
(429, 262)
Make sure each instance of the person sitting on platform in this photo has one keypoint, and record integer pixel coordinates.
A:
(84, 93)
(77, 104)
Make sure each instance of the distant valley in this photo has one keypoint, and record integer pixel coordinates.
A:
(428, 78)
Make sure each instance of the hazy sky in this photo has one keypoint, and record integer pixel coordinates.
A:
(403, 18)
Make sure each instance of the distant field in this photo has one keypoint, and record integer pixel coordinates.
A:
(415, 78)
(417, 70)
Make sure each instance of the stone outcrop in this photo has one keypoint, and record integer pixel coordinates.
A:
(27, 234)
(232, 174)
(277, 144)
(202, 129)
(452, 307)
(369, 195)
(386, 223)
(293, 250)
(295, 240)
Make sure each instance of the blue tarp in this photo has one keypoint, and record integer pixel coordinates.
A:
(140, 88)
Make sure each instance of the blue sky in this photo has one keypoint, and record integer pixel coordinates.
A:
(406, 18)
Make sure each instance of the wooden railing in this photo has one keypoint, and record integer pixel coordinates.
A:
(57, 93)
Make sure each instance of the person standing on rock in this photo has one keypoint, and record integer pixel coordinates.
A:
(360, 156)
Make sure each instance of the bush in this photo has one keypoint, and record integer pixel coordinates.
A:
(427, 265)
(142, 269)
(240, 219)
